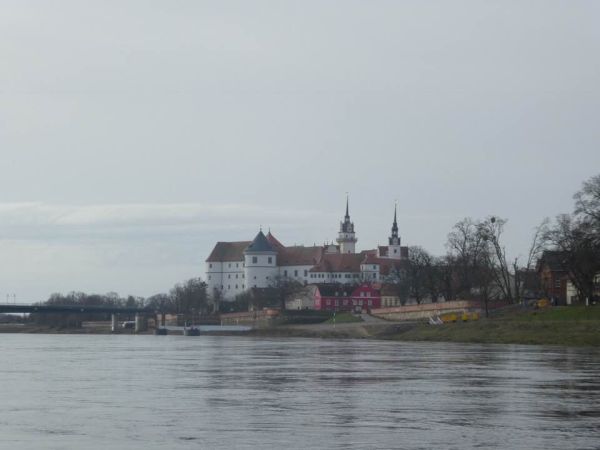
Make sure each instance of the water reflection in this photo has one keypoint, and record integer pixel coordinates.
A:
(226, 392)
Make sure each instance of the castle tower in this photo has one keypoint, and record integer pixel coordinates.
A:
(394, 240)
(346, 236)
(260, 262)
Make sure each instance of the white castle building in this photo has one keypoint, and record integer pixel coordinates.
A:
(234, 267)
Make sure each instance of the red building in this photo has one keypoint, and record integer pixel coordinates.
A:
(553, 275)
(339, 297)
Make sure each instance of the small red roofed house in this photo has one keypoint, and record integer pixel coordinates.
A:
(339, 297)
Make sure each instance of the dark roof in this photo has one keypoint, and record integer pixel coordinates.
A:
(554, 259)
(260, 244)
(331, 289)
(228, 251)
(299, 256)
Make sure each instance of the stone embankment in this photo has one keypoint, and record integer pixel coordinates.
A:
(424, 311)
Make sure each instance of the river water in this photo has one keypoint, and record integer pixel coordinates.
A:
(157, 392)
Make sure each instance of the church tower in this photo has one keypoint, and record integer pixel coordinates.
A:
(346, 236)
(394, 240)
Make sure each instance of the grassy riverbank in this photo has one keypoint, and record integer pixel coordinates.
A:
(571, 326)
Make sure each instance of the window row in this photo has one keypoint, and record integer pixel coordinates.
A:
(335, 275)
(347, 302)
(210, 266)
(285, 273)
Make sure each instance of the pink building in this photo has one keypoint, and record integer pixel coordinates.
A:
(339, 297)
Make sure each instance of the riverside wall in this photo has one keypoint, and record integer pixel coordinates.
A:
(426, 310)
(256, 319)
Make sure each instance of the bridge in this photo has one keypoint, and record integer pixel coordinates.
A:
(140, 313)
(71, 309)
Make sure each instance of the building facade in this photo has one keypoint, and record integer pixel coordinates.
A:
(338, 297)
(234, 267)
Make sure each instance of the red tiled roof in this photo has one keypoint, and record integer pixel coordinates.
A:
(273, 241)
(339, 262)
(299, 256)
(228, 251)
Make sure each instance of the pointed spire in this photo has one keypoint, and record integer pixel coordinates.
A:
(347, 216)
(394, 236)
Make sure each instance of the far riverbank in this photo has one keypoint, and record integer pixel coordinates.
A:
(566, 326)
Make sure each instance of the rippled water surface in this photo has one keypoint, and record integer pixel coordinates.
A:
(155, 392)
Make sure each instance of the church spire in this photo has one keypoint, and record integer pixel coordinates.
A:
(395, 224)
(346, 236)
(347, 216)
(394, 238)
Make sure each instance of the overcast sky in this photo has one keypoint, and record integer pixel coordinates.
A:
(135, 134)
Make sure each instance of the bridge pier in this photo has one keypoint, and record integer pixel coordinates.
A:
(141, 323)
(114, 322)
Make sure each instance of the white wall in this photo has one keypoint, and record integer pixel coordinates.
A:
(229, 277)
(261, 273)
(291, 273)
(370, 272)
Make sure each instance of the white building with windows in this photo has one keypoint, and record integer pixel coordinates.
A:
(234, 267)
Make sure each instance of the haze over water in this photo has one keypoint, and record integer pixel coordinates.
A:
(150, 392)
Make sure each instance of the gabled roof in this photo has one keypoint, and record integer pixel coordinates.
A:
(260, 244)
(299, 256)
(339, 262)
(273, 241)
(228, 251)
(334, 289)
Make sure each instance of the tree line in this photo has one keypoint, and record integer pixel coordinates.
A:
(476, 264)
(187, 298)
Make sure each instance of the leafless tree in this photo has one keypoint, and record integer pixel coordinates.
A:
(494, 252)
(467, 248)
(537, 247)
(587, 208)
(419, 276)
(578, 241)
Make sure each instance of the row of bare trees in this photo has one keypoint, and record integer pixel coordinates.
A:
(183, 298)
(477, 266)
